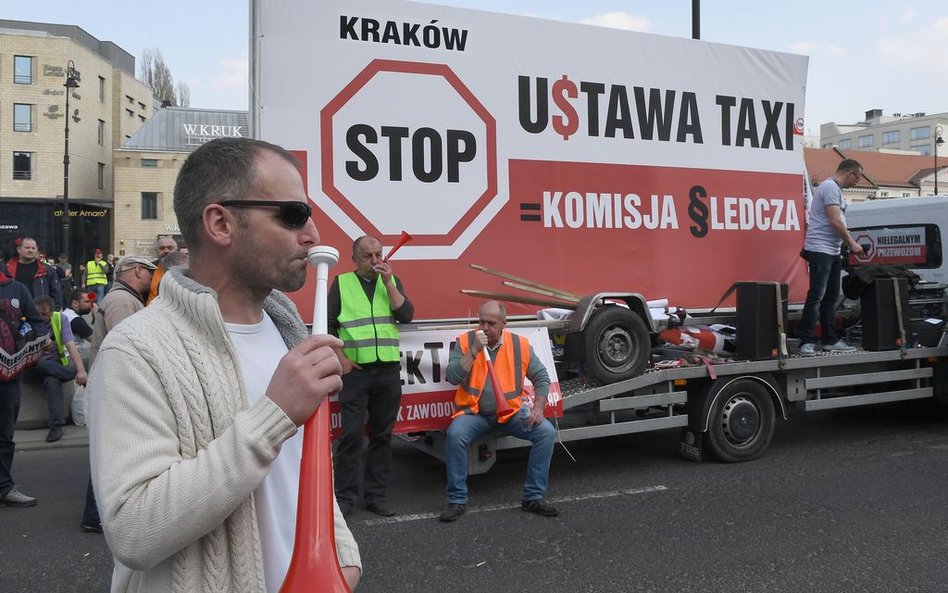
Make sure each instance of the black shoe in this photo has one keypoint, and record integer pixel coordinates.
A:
(540, 507)
(91, 527)
(380, 508)
(451, 512)
(55, 433)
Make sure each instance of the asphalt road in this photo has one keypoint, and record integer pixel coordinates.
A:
(843, 501)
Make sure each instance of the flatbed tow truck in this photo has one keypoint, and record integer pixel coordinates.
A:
(728, 408)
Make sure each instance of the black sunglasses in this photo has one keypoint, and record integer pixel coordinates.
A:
(293, 213)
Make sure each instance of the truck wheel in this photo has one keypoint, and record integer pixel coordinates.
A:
(617, 345)
(742, 421)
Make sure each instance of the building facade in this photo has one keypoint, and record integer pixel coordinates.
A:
(915, 133)
(147, 165)
(108, 106)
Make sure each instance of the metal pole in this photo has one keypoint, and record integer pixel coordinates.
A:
(696, 19)
(66, 175)
(938, 140)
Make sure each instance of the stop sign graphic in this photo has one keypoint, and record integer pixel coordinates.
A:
(407, 146)
(868, 243)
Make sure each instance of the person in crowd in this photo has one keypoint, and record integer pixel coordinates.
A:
(97, 275)
(127, 297)
(197, 400)
(825, 233)
(365, 307)
(57, 366)
(110, 273)
(16, 306)
(64, 270)
(39, 278)
(166, 262)
(81, 305)
(476, 410)
(132, 279)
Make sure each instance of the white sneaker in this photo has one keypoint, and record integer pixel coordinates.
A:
(839, 346)
(15, 498)
(808, 349)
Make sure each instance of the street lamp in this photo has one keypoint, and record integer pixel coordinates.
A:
(72, 82)
(938, 142)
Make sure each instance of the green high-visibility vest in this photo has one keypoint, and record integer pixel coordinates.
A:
(95, 273)
(56, 323)
(367, 330)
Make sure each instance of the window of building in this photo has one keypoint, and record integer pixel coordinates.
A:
(141, 118)
(23, 165)
(101, 132)
(149, 205)
(141, 106)
(22, 69)
(846, 144)
(101, 176)
(906, 194)
(149, 162)
(866, 141)
(22, 117)
(131, 101)
(893, 137)
(924, 150)
(101, 89)
(130, 112)
(920, 133)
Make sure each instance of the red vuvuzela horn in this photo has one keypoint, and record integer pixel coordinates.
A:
(314, 565)
(405, 238)
(502, 406)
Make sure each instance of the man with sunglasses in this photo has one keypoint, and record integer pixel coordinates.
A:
(197, 399)
(825, 233)
(365, 307)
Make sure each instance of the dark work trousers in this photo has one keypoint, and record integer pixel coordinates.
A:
(53, 375)
(376, 391)
(9, 410)
(90, 514)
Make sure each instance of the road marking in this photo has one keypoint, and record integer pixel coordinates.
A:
(507, 507)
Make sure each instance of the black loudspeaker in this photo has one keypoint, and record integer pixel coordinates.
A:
(757, 334)
(880, 318)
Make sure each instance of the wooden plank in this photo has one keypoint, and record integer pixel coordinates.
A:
(516, 298)
(559, 293)
(540, 291)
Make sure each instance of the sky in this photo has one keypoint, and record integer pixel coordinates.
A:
(869, 54)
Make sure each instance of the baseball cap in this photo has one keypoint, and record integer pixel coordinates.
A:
(130, 261)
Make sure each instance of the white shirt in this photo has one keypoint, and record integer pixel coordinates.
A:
(259, 349)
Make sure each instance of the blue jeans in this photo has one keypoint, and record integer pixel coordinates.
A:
(53, 374)
(821, 299)
(466, 428)
(9, 410)
(99, 290)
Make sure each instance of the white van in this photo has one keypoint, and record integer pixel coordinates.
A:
(906, 231)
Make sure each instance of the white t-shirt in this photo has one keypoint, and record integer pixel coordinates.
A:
(259, 348)
(820, 234)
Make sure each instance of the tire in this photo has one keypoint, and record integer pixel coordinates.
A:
(741, 423)
(617, 345)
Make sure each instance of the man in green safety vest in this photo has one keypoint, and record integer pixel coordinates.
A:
(57, 366)
(97, 275)
(363, 310)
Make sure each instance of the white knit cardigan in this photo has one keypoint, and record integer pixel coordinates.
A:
(176, 451)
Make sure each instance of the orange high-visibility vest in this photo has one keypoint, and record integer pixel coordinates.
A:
(510, 363)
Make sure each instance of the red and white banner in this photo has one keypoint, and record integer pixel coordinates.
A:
(586, 158)
(428, 398)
